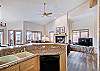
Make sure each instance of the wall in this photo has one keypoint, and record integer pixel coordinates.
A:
(12, 25)
(5, 34)
(0, 13)
(59, 22)
(31, 26)
(82, 17)
(87, 19)
(23, 26)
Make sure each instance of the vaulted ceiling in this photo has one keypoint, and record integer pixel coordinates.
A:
(31, 10)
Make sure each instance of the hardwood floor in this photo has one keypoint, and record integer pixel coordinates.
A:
(78, 61)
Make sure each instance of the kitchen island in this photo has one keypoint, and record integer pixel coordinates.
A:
(27, 56)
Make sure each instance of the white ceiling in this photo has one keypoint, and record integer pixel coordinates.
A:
(30, 10)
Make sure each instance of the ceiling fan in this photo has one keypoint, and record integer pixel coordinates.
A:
(46, 13)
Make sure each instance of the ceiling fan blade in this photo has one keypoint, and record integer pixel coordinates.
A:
(45, 13)
(48, 14)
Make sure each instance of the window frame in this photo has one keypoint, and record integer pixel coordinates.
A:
(50, 37)
(14, 36)
(32, 33)
(80, 31)
(84, 30)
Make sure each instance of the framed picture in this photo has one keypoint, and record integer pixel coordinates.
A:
(60, 30)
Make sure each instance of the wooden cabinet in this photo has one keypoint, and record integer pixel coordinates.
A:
(30, 65)
(12, 68)
(7, 69)
(33, 64)
(63, 65)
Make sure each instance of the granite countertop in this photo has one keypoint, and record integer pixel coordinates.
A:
(6, 47)
(18, 60)
(37, 52)
(14, 60)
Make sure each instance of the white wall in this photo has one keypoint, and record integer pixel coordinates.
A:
(5, 34)
(80, 18)
(23, 26)
(0, 13)
(14, 25)
(87, 19)
(59, 22)
(31, 26)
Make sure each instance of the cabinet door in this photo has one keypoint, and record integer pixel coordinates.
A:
(30, 65)
(7, 69)
(14, 68)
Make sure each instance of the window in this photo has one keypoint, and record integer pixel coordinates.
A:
(18, 37)
(83, 33)
(76, 35)
(33, 36)
(51, 36)
(37, 36)
(29, 36)
(14, 37)
(11, 37)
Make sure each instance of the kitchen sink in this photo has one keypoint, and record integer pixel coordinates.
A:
(6, 59)
(23, 54)
(10, 58)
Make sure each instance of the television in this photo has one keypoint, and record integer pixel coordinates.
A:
(85, 41)
(60, 39)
